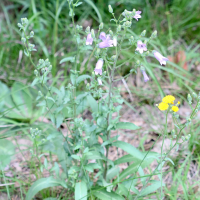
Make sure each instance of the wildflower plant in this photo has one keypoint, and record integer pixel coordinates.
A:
(87, 170)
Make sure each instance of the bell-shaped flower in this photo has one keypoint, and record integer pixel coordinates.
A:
(146, 78)
(137, 15)
(141, 47)
(89, 39)
(102, 36)
(160, 58)
(98, 68)
(106, 41)
(99, 81)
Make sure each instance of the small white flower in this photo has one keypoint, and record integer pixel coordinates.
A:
(99, 81)
(98, 68)
(89, 39)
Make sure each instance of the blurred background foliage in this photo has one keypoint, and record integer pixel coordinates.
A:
(177, 22)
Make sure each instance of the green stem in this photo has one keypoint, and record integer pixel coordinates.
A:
(163, 141)
(111, 80)
(178, 136)
(55, 36)
(4, 178)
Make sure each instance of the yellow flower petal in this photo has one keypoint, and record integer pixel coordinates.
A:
(163, 106)
(175, 108)
(168, 99)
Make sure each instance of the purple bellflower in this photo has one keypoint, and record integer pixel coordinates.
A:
(98, 68)
(146, 78)
(160, 58)
(106, 41)
(137, 15)
(89, 39)
(141, 47)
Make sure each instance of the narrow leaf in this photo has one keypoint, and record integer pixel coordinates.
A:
(81, 191)
(42, 184)
(126, 125)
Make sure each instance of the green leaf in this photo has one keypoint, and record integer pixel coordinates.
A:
(7, 150)
(122, 190)
(112, 173)
(129, 149)
(73, 78)
(82, 78)
(81, 191)
(42, 184)
(51, 198)
(91, 166)
(76, 157)
(129, 158)
(59, 120)
(104, 195)
(92, 103)
(129, 184)
(71, 59)
(77, 4)
(152, 188)
(126, 125)
(128, 171)
(124, 159)
(23, 99)
(93, 155)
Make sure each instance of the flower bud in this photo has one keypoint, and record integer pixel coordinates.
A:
(173, 132)
(36, 72)
(93, 34)
(88, 86)
(113, 57)
(87, 30)
(154, 34)
(119, 28)
(110, 32)
(127, 24)
(40, 93)
(174, 136)
(23, 39)
(43, 70)
(31, 34)
(101, 25)
(183, 138)
(134, 12)
(137, 62)
(50, 67)
(143, 33)
(110, 9)
(194, 94)
(189, 98)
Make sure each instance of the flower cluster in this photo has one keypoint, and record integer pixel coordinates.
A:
(168, 102)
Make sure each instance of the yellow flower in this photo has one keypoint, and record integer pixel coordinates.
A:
(175, 108)
(178, 102)
(163, 106)
(169, 99)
